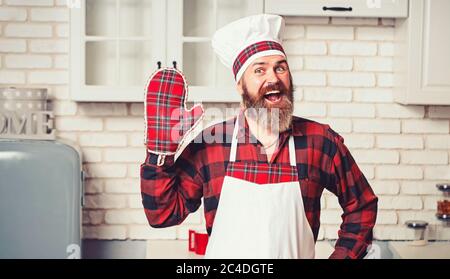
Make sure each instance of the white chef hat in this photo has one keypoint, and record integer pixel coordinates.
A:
(242, 41)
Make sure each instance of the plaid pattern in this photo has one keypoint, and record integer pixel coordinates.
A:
(171, 192)
(262, 173)
(251, 50)
(167, 119)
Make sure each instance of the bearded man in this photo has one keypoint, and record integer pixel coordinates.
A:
(261, 184)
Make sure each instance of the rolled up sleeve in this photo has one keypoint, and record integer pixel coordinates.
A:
(358, 202)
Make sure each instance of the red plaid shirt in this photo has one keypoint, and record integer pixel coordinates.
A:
(171, 192)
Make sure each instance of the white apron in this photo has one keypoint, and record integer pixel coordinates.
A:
(260, 220)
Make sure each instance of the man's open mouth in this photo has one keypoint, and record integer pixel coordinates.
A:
(273, 96)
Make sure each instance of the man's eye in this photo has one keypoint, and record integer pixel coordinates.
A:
(258, 71)
(280, 69)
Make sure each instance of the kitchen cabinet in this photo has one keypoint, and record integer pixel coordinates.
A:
(422, 57)
(190, 26)
(116, 44)
(337, 8)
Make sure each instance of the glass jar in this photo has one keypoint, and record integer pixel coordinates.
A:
(443, 205)
(420, 228)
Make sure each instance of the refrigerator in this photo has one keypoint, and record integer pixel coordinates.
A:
(41, 198)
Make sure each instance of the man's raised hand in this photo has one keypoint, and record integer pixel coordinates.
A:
(166, 117)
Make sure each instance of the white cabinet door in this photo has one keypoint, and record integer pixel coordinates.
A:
(423, 56)
(347, 8)
(115, 45)
(190, 26)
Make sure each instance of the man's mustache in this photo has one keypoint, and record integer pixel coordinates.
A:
(277, 86)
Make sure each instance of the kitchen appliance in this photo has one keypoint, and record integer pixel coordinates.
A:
(41, 196)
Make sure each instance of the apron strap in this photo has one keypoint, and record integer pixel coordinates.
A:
(292, 157)
(234, 141)
(233, 150)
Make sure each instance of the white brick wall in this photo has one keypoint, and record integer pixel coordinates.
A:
(351, 110)
(376, 126)
(399, 172)
(12, 14)
(305, 48)
(399, 142)
(28, 61)
(328, 94)
(373, 95)
(105, 201)
(329, 32)
(342, 68)
(373, 64)
(123, 186)
(328, 63)
(309, 78)
(49, 46)
(353, 48)
(28, 2)
(399, 111)
(124, 154)
(105, 232)
(12, 77)
(385, 187)
(375, 34)
(351, 79)
(310, 110)
(49, 14)
(103, 139)
(12, 45)
(27, 30)
(426, 126)
(359, 140)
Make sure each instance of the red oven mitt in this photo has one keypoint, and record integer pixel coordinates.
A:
(167, 119)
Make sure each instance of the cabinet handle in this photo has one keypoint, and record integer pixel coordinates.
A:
(174, 64)
(337, 9)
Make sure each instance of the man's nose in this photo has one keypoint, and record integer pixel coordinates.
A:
(272, 77)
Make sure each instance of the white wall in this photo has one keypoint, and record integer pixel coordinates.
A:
(343, 72)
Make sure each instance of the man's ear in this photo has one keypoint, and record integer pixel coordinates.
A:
(239, 87)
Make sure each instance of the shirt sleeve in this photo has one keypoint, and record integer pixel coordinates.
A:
(358, 201)
(171, 191)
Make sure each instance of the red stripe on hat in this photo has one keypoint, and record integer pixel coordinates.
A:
(251, 50)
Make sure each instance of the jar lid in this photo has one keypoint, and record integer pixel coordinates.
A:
(443, 217)
(416, 224)
(444, 187)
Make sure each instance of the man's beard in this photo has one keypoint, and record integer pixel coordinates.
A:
(277, 117)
